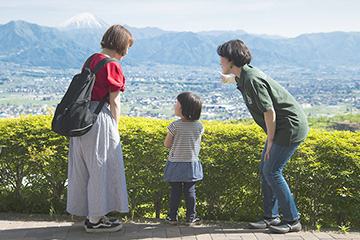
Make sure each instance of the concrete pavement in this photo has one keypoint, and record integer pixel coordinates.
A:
(150, 230)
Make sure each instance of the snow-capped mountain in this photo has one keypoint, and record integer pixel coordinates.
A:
(85, 29)
(20, 41)
(83, 21)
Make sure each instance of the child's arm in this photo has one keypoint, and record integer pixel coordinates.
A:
(168, 140)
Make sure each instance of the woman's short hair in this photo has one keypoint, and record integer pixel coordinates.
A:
(236, 51)
(117, 38)
(191, 105)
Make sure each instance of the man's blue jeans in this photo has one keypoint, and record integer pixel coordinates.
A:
(274, 187)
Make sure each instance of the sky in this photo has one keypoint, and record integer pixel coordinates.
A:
(288, 18)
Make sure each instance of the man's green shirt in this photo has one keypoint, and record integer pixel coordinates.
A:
(261, 93)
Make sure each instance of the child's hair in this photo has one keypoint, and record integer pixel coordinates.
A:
(191, 105)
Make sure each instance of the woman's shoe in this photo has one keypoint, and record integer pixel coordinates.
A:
(112, 220)
(103, 225)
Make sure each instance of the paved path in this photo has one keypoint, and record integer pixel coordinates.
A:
(65, 230)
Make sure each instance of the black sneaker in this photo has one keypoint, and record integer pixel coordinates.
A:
(193, 221)
(104, 225)
(265, 223)
(285, 227)
(172, 221)
(113, 220)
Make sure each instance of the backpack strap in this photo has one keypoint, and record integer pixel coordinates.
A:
(98, 66)
(102, 63)
(88, 61)
(101, 103)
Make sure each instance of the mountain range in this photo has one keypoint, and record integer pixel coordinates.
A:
(68, 45)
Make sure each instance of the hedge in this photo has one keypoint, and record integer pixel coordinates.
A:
(323, 174)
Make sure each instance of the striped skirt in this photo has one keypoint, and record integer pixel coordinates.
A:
(96, 176)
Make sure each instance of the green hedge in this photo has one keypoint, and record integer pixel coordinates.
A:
(323, 173)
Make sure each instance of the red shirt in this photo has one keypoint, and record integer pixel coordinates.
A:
(108, 77)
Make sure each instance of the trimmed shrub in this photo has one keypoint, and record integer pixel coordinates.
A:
(323, 174)
(33, 165)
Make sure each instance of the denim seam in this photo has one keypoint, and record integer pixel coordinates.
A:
(287, 207)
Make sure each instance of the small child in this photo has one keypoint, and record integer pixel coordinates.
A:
(183, 168)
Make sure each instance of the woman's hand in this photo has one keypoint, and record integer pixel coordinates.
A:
(227, 78)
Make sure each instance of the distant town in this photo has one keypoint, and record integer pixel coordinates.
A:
(151, 90)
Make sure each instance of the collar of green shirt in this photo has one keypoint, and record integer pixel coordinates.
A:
(240, 80)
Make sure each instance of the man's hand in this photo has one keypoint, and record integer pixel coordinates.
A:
(268, 149)
(270, 121)
(227, 78)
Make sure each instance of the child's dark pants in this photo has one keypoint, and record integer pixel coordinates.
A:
(175, 198)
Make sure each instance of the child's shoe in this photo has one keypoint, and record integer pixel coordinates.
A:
(172, 221)
(193, 221)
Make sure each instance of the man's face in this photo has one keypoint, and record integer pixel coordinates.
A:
(225, 64)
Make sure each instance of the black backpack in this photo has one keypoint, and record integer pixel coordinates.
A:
(72, 116)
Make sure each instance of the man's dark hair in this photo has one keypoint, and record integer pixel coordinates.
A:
(236, 51)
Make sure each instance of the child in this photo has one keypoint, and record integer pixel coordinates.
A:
(183, 168)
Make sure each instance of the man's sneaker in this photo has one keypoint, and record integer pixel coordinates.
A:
(285, 227)
(113, 220)
(172, 221)
(193, 221)
(103, 225)
(265, 223)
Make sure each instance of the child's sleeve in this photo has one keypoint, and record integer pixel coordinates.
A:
(171, 128)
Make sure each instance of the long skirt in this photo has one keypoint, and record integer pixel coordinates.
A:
(96, 176)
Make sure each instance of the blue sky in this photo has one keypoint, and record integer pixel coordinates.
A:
(288, 18)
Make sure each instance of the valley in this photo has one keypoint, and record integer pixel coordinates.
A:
(151, 90)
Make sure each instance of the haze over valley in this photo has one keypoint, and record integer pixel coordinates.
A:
(321, 70)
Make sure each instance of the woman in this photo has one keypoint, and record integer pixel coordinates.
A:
(96, 177)
(284, 122)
